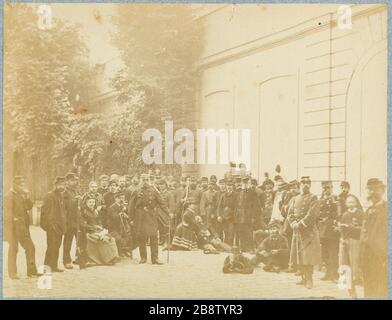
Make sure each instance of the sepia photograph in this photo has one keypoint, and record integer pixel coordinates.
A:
(195, 151)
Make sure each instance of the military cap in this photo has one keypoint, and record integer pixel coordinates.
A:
(268, 182)
(237, 179)
(222, 180)
(119, 194)
(103, 177)
(374, 182)
(229, 182)
(144, 176)
(204, 179)
(344, 184)
(305, 179)
(59, 179)
(281, 184)
(245, 178)
(112, 181)
(213, 177)
(254, 181)
(274, 223)
(293, 183)
(19, 179)
(326, 183)
(70, 176)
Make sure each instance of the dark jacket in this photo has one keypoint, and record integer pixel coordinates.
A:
(53, 213)
(143, 211)
(71, 202)
(328, 217)
(247, 207)
(15, 213)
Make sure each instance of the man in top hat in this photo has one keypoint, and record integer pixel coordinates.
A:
(71, 202)
(103, 184)
(303, 216)
(373, 251)
(17, 203)
(143, 212)
(329, 236)
(225, 211)
(273, 250)
(54, 222)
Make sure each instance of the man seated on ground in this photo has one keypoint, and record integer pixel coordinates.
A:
(273, 250)
(236, 262)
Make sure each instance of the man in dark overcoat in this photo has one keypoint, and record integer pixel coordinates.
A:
(143, 212)
(17, 203)
(54, 221)
(303, 216)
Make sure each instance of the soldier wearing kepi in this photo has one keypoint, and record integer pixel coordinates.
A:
(303, 217)
(143, 212)
(374, 242)
(329, 236)
(17, 203)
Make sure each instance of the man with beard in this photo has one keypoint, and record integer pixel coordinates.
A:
(329, 237)
(17, 203)
(226, 213)
(373, 245)
(143, 212)
(54, 222)
(303, 216)
(71, 201)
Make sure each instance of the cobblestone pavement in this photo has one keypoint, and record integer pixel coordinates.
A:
(188, 275)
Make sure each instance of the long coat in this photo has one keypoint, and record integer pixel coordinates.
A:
(71, 203)
(373, 250)
(143, 211)
(248, 209)
(53, 213)
(16, 218)
(305, 246)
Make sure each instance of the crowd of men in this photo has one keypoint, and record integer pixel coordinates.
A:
(279, 224)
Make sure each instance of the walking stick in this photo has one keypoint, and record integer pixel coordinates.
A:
(168, 242)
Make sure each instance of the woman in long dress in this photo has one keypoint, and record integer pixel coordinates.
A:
(96, 245)
(185, 236)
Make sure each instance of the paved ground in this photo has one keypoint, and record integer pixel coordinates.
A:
(189, 275)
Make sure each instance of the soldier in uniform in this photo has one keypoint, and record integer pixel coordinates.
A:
(17, 203)
(143, 212)
(54, 222)
(373, 245)
(226, 212)
(192, 196)
(71, 201)
(268, 197)
(303, 216)
(329, 236)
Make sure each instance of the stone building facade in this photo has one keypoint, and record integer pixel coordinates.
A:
(313, 93)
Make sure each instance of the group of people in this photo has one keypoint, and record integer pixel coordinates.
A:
(278, 224)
